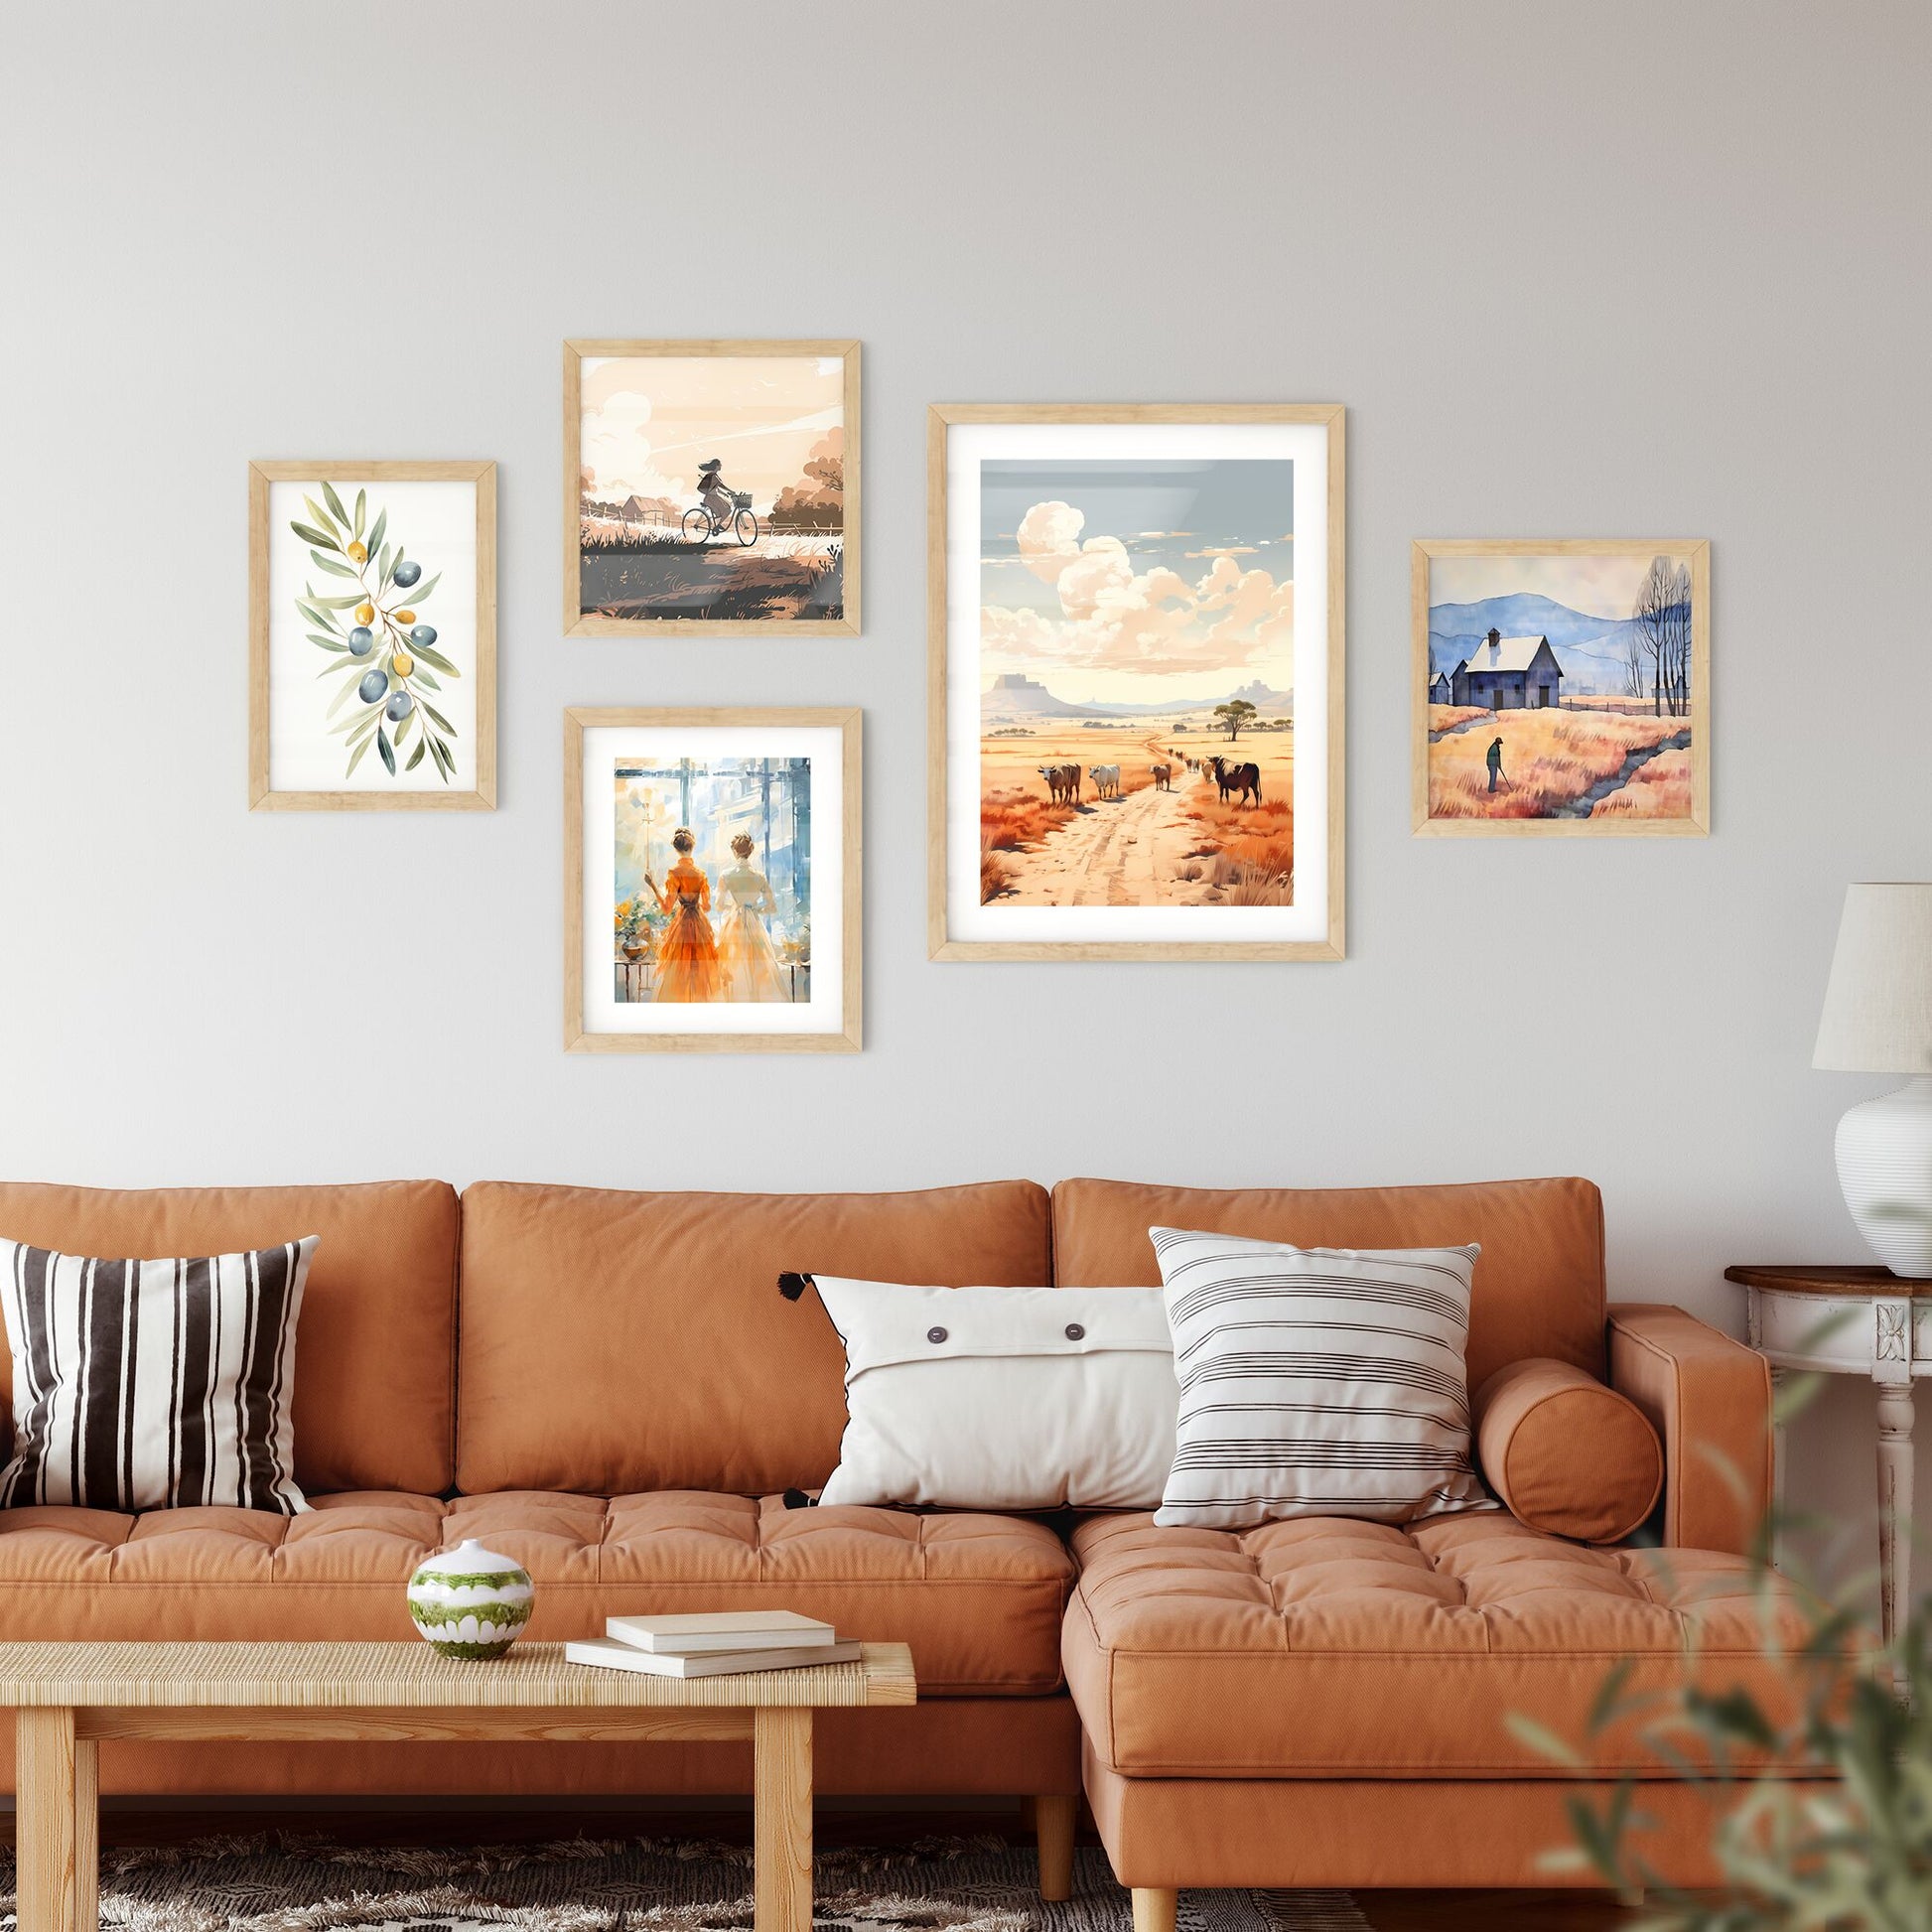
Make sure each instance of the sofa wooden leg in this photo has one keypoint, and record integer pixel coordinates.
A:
(1053, 1833)
(1153, 1908)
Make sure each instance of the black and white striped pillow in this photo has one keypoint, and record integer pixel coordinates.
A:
(153, 1384)
(1317, 1381)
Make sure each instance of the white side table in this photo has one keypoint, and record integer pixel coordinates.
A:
(1854, 1321)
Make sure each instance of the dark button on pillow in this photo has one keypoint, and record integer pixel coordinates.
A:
(936, 1335)
(1074, 1332)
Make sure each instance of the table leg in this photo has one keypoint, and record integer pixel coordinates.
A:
(86, 1835)
(45, 1811)
(1894, 1509)
(782, 1782)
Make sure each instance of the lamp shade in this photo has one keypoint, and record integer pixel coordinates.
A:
(1878, 1015)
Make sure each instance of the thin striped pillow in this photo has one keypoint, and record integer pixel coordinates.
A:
(153, 1384)
(1317, 1381)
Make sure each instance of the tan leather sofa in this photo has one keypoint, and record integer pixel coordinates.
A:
(607, 1387)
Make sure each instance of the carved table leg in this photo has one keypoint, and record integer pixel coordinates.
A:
(1895, 1512)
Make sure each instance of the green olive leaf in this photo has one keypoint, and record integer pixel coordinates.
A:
(361, 504)
(387, 749)
(310, 534)
(334, 501)
(421, 591)
(376, 535)
(332, 568)
(439, 718)
(361, 753)
(422, 677)
(416, 757)
(431, 655)
(319, 517)
(328, 644)
(338, 603)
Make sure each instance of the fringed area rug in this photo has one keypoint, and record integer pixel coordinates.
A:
(289, 1884)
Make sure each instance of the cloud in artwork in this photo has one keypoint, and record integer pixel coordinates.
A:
(1225, 550)
(1115, 618)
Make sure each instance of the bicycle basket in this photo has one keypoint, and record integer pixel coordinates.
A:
(742, 499)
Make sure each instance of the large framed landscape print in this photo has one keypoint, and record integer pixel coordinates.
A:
(371, 636)
(711, 486)
(1561, 687)
(712, 880)
(1136, 637)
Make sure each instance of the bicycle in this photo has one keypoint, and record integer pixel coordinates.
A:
(700, 526)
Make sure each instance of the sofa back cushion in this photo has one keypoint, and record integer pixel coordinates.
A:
(377, 1338)
(1539, 1286)
(620, 1342)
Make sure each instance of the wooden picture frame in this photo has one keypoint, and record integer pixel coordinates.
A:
(947, 875)
(582, 621)
(1670, 798)
(265, 595)
(841, 1030)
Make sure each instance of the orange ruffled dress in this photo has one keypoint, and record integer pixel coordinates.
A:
(687, 954)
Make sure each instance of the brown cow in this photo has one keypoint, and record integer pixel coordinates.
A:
(1244, 779)
(1163, 776)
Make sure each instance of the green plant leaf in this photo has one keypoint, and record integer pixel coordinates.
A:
(377, 535)
(403, 730)
(356, 757)
(331, 566)
(328, 644)
(422, 677)
(387, 749)
(439, 718)
(338, 603)
(321, 517)
(361, 504)
(390, 568)
(416, 757)
(420, 591)
(431, 655)
(310, 534)
(336, 704)
(335, 503)
(312, 613)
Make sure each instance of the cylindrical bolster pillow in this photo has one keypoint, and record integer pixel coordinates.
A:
(1564, 1453)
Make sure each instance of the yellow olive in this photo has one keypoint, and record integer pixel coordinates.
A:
(401, 663)
(359, 553)
(405, 617)
(365, 614)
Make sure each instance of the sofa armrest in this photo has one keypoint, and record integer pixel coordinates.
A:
(1710, 1400)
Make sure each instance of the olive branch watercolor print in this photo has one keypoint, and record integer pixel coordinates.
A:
(389, 658)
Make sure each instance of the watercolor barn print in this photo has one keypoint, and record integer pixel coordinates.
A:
(715, 485)
(372, 645)
(711, 889)
(1561, 687)
(1137, 638)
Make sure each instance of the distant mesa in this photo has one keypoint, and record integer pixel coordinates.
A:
(1014, 695)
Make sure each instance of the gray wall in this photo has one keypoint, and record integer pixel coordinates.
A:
(1634, 269)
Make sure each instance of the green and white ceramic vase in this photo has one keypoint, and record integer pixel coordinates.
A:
(470, 1602)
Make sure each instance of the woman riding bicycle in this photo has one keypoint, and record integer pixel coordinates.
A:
(715, 493)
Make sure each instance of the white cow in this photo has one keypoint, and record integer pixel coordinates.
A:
(1106, 780)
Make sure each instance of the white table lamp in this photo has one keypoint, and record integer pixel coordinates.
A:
(1878, 1019)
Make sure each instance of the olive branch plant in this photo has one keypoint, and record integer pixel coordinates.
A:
(387, 658)
(1845, 1847)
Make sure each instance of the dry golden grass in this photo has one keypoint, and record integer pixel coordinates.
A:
(1549, 757)
(1009, 821)
(1445, 717)
(1247, 849)
(1659, 789)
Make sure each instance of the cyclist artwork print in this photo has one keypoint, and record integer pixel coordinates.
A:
(716, 486)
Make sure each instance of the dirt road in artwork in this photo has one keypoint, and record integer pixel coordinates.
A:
(1132, 851)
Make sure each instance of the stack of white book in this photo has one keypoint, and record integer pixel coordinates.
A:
(712, 1644)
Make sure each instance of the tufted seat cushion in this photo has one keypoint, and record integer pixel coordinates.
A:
(978, 1597)
(1327, 1648)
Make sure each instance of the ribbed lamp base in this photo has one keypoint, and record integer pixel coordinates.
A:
(1884, 1165)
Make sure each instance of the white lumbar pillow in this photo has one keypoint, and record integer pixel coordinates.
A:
(1003, 1398)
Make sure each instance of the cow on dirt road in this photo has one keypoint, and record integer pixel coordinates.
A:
(1106, 780)
(1244, 779)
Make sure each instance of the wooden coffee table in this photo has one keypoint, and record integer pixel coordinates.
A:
(68, 1697)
